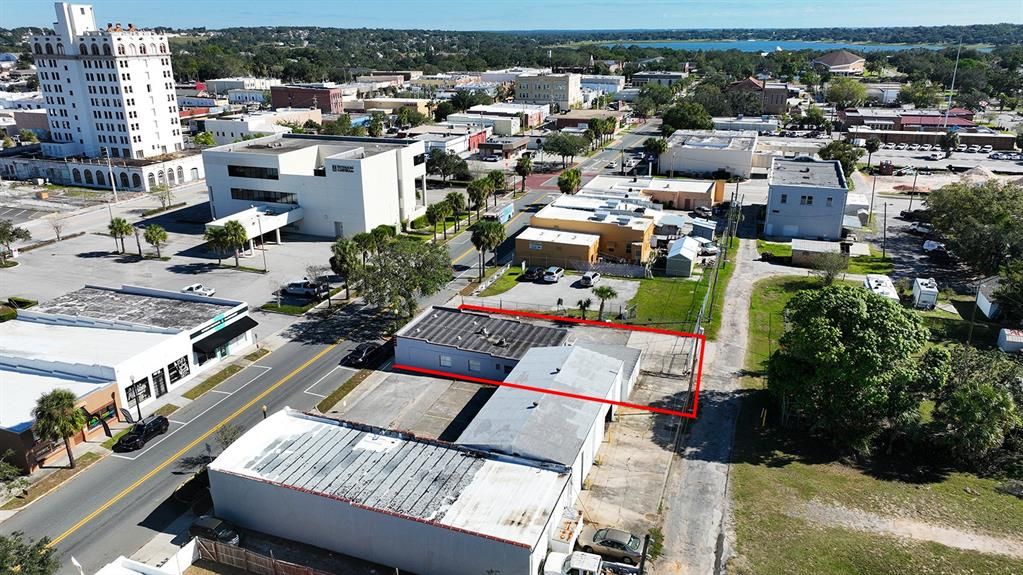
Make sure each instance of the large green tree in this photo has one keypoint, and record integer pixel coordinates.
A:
(980, 221)
(404, 271)
(24, 556)
(1010, 290)
(57, 418)
(845, 366)
(846, 154)
(948, 142)
(218, 241)
(565, 145)
(155, 236)
(523, 168)
(686, 116)
(922, 94)
(846, 92)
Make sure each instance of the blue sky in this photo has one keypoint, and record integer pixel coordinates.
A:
(530, 14)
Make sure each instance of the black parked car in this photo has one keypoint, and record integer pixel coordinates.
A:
(142, 432)
(369, 354)
(532, 274)
(215, 529)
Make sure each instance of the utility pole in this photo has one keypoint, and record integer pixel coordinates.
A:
(884, 233)
(110, 172)
(916, 172)
(873, 188)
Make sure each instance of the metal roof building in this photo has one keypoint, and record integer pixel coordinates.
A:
(473, 344)
(682, 256)
(550, 427)
(422, 506)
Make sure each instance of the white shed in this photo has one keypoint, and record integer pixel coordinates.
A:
(682, 256)
(986, 297)
(1010, 340)
(925, 293)
(417, 505)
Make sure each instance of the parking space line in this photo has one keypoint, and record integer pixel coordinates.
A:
(200, 414)
(219, 391)
(178, 422)
(325, 376)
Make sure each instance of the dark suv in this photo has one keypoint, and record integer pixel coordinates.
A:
(142, 432)
(368, 355)
(215, 529)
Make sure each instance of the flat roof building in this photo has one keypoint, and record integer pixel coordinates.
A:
(622, 237)
(328, 97)
(563, 91)
(662, 78)
(467, 343)
(548, 427)
(352, 184)
(707, 152)
(418, 505)
(805, 199)
(240, 127)
(581, 118)
(545, 248)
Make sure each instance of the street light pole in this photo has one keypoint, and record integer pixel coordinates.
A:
(873, 188)
(110, 172)
(884, 233)
(262, 240)
(913, 193)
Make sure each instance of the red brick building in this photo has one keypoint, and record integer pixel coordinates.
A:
(325, 97)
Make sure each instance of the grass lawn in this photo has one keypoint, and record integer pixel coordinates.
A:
(503, 283)
(166, 410)
(872, 264)
(673, 303)
(948, 326)
(212, 381)
(286, 309)
(776, 249)
(51, 482)
(346, 388)
(776, 473)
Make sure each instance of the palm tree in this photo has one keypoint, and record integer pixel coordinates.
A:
(119, 228)
(486, 236)
(344, 260)
(58, 418)
(236, 237)
(433, 216)
(155, 236)
(873, 144)
(524, 167)
(584, 304)
(457, 202)
(443, 211)
(604, 293)
(217, 238)
(497, 183)
(366, 242)
(478, 191)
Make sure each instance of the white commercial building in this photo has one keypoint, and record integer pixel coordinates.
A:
(106, 89)
(534, 114)
(706, 152)
(417, 505)
(243, 97)
(146, 340)
(662, 78)
(561, 90)
(22, 101)
(225, 85)
(805, 199)
(228, 129)
(501, 125)
(346, 185)
(606, 84)
(759, 124)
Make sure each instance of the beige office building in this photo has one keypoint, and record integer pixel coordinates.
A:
(563, 90)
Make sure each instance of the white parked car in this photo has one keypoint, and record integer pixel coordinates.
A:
(973, 149)
(199, 289)
(589, 279)
(902, 146)
(926, 148)
(709, 250)
(552, 274)
(986, 149)
(914, 147)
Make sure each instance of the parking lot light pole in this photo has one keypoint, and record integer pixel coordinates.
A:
(138, 400)
(884, 233)
(913, 192)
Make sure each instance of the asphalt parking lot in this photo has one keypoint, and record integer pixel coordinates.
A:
(545, 297)
(20, 215)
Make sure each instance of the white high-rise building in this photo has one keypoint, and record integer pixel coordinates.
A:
(107, 89)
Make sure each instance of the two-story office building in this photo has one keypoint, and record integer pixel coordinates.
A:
(346, 185)
(806, 199)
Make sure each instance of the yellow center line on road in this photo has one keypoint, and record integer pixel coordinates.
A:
(56, 541)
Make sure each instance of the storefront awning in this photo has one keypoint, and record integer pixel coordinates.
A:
(218, 338)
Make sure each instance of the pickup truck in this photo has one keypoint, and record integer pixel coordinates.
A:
(581, 563)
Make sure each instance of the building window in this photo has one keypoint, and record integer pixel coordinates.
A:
(445, 361)
(806, 200)
(475, 365)
(784, 198)
(535, 246)
(828, 202)
(252, 172)
(248, 195)
(178, 370)
(138, 392)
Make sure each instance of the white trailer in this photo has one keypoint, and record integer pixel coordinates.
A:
(925, 293)
(581, 563)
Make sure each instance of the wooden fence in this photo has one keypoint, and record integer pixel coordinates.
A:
(250, 561)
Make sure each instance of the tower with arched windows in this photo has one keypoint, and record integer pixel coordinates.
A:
(106, 90)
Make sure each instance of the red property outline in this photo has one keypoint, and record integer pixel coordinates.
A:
(699, 370)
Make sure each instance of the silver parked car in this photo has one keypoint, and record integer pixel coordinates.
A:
(199, 289)
(612, 544)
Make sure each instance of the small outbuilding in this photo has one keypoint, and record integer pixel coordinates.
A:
(925, 293)
(1010, 340)
(544, 247)
(682, 257)
(986, 297)
(703, 229)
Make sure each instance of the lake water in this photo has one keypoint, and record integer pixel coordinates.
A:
(771, 45)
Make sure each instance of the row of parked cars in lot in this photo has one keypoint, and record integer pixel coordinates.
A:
(553, 275)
